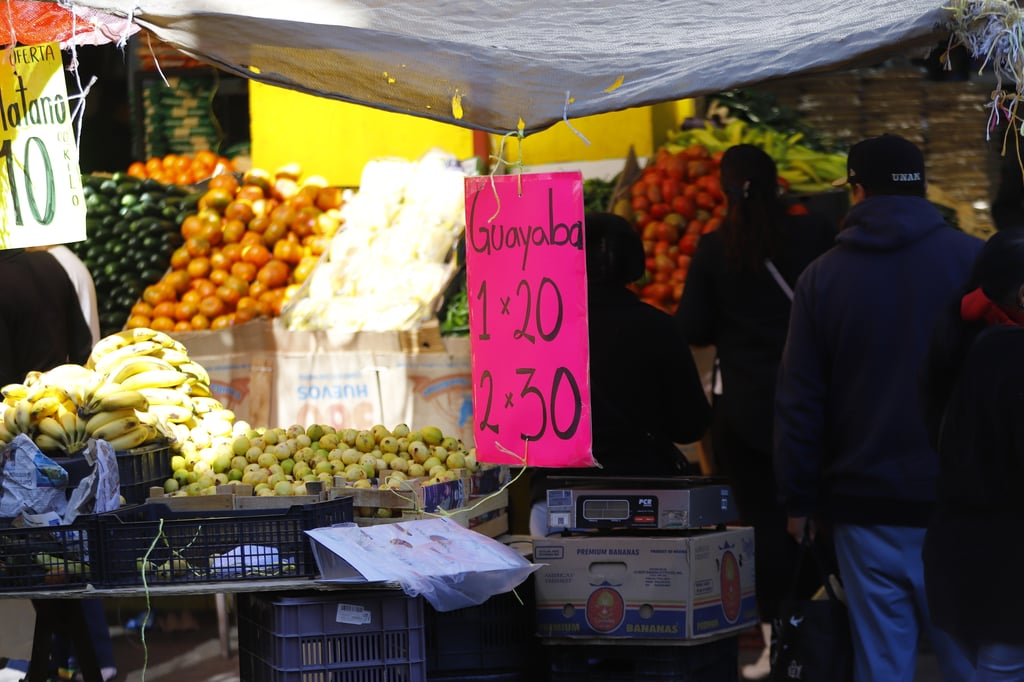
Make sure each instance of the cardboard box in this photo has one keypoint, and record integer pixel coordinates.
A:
(645, 588)
(270, 376)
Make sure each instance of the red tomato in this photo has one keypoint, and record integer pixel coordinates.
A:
(684, 206)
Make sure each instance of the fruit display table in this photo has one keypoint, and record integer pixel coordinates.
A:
(59, 611)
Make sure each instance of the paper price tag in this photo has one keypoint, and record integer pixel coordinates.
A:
(41, 198)
(526, 273)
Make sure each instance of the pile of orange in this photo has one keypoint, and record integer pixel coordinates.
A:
(247, 249)
(181, 169)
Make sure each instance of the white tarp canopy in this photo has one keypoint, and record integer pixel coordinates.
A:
(503, 65)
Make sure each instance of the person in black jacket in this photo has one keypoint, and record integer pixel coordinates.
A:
(851, 444)
(646, 394)
(971, 556)
(737, 298)
(41, 323)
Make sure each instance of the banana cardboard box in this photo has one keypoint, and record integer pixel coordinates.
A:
(269, 375)
(645, 588)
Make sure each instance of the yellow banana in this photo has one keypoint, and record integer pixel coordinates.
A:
(204, 404)
(44, 407)
(23, 416)
(173, 355)
(14, 391)
(154, 378)
(104, 364)
(171, 413)
(48, 443)
(38, 391)
(101, 419)
(223, 413)
(9, 422)
(168, 341)
(132, 438)
(196, 370)
(32, 376)
(74, 427)
(48, 426)
(107, 345)
(136, 365)
(5, 435)
(122, 400)
(116, 428)
(167, 396)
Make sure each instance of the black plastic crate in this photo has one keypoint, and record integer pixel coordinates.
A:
(138, 469)
(143, 467)
(711, 661)
(206, 545)
(497, 636)
(51, 557)
(337, 636)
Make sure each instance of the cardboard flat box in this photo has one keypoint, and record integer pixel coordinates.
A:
(646, 588)
(270, 376)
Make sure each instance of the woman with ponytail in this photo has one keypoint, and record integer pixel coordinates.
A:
(737, 299)
(975, 391)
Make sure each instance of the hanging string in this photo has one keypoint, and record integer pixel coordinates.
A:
(565, 119)
(500, 160)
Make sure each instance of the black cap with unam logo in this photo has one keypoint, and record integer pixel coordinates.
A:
(887, 164)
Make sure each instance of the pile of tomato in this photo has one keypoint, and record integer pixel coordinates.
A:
(246, 250)
(677, 198)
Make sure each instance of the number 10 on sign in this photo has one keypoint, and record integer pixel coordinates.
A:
(526, 273)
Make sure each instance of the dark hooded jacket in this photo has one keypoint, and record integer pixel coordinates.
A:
(41, 323)
(850, 438)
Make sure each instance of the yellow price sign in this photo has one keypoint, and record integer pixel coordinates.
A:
(41, 199)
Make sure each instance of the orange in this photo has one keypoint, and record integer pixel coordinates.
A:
(142, 308)
(164, 309)
(197, 246)
(185, 311)
(178, 279)
(137, 321)
(233, 252)
(274, 273)
(200, 321)
(192, 297)
(218, 277)
(204, 286)
(198, 267)
(224, 181)
(211, 306)
(222, 321)
(162, 324)
(180, 258)
(257, 254)
(244, 270)
(220, 260)
(229, 295)
(182, 326)
(234, 229)
(137, 169)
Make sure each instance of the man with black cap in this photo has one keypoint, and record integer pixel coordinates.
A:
(851, 446)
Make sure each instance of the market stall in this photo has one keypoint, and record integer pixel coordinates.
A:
(315, 305)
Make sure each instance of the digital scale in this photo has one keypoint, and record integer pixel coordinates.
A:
(628, 502)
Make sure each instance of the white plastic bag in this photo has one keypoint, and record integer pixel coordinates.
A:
(450, 566)
(30, 482)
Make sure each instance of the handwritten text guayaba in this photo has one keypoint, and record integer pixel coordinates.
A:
(484, 238)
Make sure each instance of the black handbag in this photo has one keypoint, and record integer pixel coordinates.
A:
(813, 640)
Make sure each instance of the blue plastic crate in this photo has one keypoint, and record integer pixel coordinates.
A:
(336, 636)
(49, 557)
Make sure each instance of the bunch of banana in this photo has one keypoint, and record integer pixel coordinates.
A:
(803, 168)
(157, 367)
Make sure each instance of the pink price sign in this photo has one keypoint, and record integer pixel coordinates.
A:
(527, 280)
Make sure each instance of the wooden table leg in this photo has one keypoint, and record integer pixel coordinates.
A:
(61, 616)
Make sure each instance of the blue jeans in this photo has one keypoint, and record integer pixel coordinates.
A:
(995, 661)
(883, 576)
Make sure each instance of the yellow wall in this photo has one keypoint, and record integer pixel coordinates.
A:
(336, 139)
